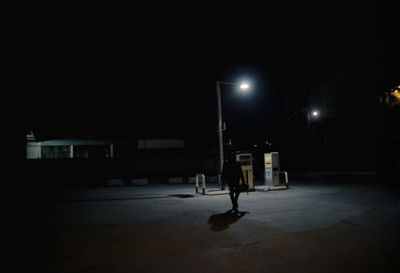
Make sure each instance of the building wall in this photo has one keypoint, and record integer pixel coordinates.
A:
(33, 150)
(96, 151)
(55, 151)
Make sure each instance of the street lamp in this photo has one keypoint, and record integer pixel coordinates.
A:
(313, 114)
(244, 88)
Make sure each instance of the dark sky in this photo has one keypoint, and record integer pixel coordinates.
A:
(106, 69)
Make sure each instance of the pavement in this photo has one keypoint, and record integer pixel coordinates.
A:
(314, 226)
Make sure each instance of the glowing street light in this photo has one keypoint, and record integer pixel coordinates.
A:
(312, 115)
(244, 87)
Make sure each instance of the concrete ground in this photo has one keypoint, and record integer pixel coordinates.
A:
(315, 226)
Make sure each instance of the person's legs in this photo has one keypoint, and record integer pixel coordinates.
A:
(232, 196)
(236, 197)
(234, 191)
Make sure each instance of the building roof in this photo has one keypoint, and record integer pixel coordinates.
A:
(83, 142)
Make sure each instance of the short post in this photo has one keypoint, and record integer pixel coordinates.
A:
(111, 150)
(286, 180)
(203, 183)
(197, 183)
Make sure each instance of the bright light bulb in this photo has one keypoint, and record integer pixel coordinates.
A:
(244, 85)
(315, 113)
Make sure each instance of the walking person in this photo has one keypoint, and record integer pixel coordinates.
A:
(231, 174)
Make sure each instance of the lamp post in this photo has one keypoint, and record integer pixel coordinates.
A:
(243, 86)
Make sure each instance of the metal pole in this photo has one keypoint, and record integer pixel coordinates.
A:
(111, 150)
(221, 145)
(308, 134)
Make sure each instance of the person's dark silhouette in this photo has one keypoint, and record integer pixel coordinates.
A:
(231, 174)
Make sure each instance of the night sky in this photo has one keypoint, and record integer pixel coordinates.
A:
(149, 70)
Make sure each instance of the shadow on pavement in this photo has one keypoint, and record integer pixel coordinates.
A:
(221, 221)
(182, 195)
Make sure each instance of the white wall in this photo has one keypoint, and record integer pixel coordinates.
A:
(33, 150)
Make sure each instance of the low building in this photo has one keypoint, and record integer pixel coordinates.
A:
(94, 148)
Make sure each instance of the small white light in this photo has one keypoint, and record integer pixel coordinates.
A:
(315, 113)
(244, 86)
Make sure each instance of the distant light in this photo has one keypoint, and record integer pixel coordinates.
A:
(396, 93)
(315, 113)
(244, 86)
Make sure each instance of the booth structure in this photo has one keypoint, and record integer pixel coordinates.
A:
(273, 174)
(246, 162)
(272, 169)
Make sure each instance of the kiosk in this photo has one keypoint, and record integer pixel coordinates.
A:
(273, 172)
(272, 169)
(246, 162)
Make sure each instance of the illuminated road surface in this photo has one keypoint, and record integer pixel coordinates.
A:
(312, 227)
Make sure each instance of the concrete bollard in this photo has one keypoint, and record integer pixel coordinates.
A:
(203, 183)
(196, 183)
(286, 180)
